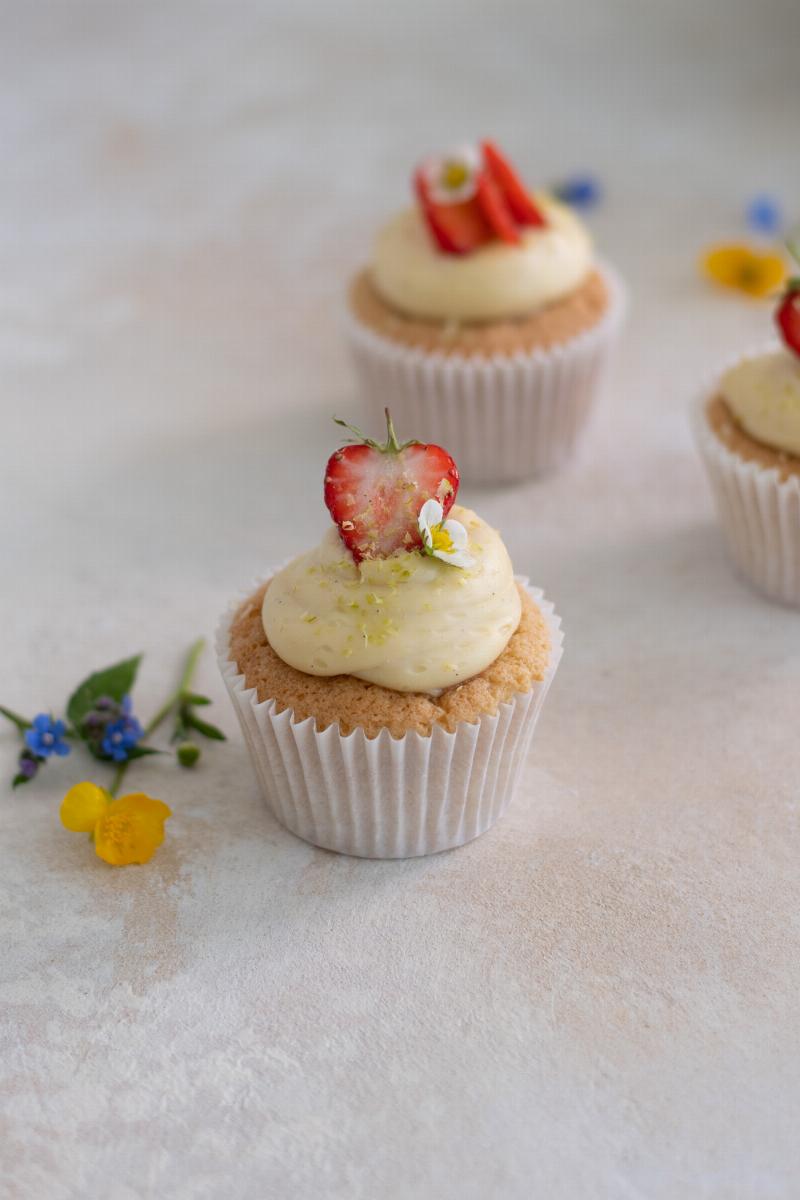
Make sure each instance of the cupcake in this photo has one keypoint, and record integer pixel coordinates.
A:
(484, 320)
(388, 681)
(747, 426)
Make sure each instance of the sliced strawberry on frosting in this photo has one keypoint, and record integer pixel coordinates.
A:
(457, 228)
(374, 492)
(787, 316)
(523, 209)
(496, 209)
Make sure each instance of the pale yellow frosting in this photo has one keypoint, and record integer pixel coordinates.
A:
(409, 622)
(495, 281)
(764, 396)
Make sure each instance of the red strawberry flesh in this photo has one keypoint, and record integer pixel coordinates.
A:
(457, 228)
(787, 317)
(375, 493)
(523, 209)
(496, 210)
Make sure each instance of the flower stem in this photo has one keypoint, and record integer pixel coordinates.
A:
(22, 723)
(119, 775)
(192, 659)
(190, 666)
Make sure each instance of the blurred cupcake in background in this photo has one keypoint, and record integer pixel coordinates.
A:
(484, 320)
(747, 426)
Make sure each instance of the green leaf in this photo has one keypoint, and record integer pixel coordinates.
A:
(18, 780)
(142, 752)
(207, 730)
(15, 719)
(192, 698)
(114, 681)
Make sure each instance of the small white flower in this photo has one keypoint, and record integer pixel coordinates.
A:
(452, 178)
(446, 540)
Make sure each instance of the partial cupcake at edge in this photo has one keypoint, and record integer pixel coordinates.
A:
(485, 320)
(747, 426)
(388, 680)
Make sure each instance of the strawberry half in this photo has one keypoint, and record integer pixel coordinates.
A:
(374, 492)
(787, 316)
(523, 209)
(457, 228)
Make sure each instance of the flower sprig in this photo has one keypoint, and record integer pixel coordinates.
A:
(99, 715)
(754, 268)
(743, 269)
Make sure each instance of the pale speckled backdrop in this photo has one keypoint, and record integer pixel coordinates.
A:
(599, 998)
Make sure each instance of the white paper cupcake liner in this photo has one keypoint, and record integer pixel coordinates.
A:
(759, 512)
(503, 418)
(387, 797)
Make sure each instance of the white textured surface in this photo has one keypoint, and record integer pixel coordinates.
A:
(599, 997)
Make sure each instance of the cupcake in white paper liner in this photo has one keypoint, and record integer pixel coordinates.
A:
(383, 796)
(484, 321)
(506, 417)
(756, 479)
(389, 679)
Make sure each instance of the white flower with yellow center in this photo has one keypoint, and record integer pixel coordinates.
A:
(452, 178)
(446, 540)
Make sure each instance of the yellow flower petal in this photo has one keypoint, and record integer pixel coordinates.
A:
(83, 806)
(131, 830)
(773, 274)
(140, 802)
(741, 268)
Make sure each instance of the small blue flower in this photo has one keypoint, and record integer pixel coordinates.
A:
(46, 737)
(764, 215)
(122, 735)
(582, 191)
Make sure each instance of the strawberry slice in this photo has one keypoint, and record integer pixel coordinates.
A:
(374, 492)
(787, 316)
(496, 209)
(457, 228)
(523, 209)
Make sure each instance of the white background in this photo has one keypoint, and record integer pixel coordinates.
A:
(598, 998)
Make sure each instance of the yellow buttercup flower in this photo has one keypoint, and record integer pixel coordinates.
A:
(128, 830)
(745, 270)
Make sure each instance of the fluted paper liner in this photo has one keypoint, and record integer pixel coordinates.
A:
(759, 512)
(503, 418)
(387, 797)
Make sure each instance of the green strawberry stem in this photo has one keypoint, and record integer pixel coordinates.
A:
(390, 446)
(391, 436)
